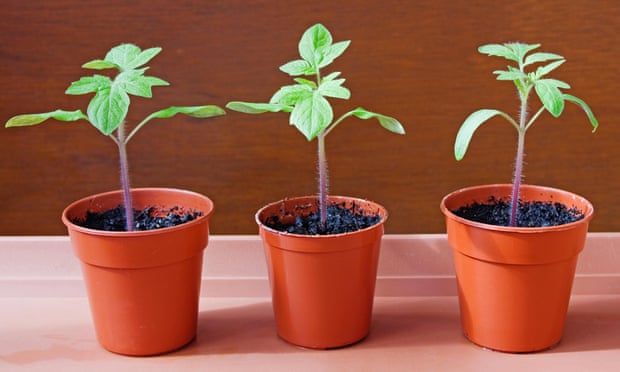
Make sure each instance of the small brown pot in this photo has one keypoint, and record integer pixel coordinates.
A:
(143, 286)
(322, 285)
(514, 283)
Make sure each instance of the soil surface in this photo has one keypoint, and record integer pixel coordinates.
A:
(147, 219)
(531, 214)
(340, 219)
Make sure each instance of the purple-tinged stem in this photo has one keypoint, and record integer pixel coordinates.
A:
(514, 204)
(516, 183)
(127, 199)
(323, 180)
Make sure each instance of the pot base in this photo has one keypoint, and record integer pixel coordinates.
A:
(512, 352)
(324, 348)
(151, 353)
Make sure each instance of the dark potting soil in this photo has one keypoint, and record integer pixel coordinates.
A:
(340, 219)
(531, 214)
(150, 218)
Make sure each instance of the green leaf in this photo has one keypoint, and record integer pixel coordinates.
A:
(362, 113)
(519, 78)
(511, 51)
(550, 95)
(108, 109)
(331, 76)
(289, 95)
(144, 57)
(306, 82)
(314, 43)
(470, 125)
(391, 124)
(99, 65)
(521, 49)
(541, 57)
(334, 52)
(89, 84)
(334, 89)
(557, 83)
(544, 70)
(122, 55)
(34, 119)
(579, 102)
(129, 56)
(133, 82)
(257, 108)
(193, 111)
(312, 115)
(498, 50)
(155, 81)
(511, 75)
(386, 122)
(522, 86)
(297, 68)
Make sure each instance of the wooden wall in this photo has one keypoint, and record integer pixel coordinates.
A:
(415, 60)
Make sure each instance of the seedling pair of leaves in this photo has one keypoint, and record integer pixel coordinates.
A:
(108, 108)
(548, 90)
(307, 100)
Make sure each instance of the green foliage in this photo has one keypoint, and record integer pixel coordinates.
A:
(306, 100)
(33, 119)
(473, 121)
(548, 90)
(108, 108)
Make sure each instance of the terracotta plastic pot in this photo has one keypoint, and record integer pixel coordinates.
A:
(322, 285)
(144, 286)
(514, 283)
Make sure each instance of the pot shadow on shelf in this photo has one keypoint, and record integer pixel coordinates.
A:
(424, 322)
(592, 323)
(73, 342)
(396, 322)
(238, 329)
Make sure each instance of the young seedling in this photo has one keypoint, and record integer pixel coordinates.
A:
(108, 109)
(547, 89)
(306, 101)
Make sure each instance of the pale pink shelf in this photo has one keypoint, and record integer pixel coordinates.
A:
(45, 322)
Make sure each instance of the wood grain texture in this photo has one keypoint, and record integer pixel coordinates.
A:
(415, 60)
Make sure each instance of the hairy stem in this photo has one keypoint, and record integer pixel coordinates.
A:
(124, 167)
(322, 165)
(323, 180)
(514, 204)
(516, 183)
